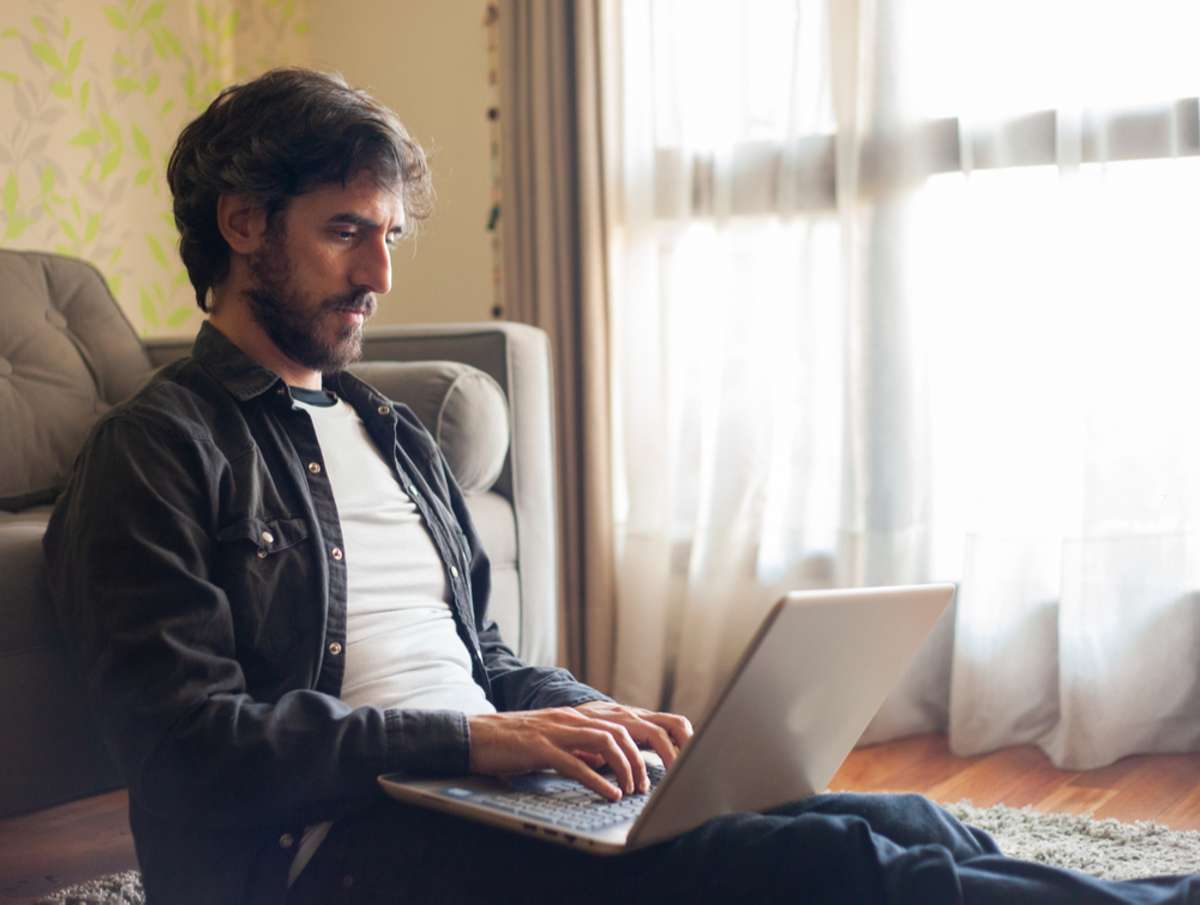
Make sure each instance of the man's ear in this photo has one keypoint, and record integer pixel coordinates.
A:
(242, 222)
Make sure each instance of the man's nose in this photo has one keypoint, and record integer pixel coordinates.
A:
(373, 267)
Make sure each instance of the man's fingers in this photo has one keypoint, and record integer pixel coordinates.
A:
(632, 756)
(658, 739)
(678, 727)
(606, 742)
(595, 761)
(576, 741)
(573, 768)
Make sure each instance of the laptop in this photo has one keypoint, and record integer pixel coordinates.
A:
(809, 682)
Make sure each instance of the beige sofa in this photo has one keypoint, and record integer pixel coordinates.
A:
(67, 354)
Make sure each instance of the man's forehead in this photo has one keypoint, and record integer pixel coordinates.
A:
(363, 197)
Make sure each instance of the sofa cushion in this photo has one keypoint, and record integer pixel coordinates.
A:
(26, 617)
(493, 518)
(51, 751)
(461, 406)
(66, 354)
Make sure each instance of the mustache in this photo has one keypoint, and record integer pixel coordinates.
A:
(362, 302)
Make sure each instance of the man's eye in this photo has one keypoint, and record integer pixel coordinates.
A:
(346, 235)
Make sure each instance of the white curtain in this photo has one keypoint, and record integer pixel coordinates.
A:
(903, 291)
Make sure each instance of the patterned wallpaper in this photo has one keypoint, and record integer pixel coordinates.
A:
(92, 97)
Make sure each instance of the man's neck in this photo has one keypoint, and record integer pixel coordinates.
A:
(233, 318)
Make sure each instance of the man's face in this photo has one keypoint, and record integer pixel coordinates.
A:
(321, 264)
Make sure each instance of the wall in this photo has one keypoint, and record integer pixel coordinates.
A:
(94, 92)
(427, 60)
(92, 96)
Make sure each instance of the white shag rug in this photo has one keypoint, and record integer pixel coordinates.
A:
(1104, 848)
(115, 889)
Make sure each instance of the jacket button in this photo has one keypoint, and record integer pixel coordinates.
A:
(314, 467)
(454, 571)
(261, 554)
(335, 648)
(336, 553)
(267, 537)
(287, 840)
(384, 409)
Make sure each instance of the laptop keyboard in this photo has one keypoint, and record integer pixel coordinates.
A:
(563, 802)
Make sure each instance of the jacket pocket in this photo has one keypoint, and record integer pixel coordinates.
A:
(265, 568)
(268, 535)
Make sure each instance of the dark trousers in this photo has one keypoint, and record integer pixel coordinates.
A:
(852, 849)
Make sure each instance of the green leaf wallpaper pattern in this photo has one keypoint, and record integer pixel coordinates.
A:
(92, 97)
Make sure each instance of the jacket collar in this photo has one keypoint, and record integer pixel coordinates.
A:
(245, 378)
(240, 374)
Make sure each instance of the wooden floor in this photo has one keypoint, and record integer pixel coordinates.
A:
(62, 846)
(77, 841)
(1164, 787)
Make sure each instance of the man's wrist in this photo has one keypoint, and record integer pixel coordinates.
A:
(589, 698)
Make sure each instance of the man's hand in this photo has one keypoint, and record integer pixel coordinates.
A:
(574, 740)
(665, 733)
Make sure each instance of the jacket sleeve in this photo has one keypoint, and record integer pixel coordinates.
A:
(129, 553)
(514, 685)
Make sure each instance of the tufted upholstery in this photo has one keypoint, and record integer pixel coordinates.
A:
(67, 353)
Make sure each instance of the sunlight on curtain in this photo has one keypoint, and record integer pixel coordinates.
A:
(1065, 481)
(902, 291)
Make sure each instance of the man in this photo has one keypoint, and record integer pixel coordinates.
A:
(253, 513)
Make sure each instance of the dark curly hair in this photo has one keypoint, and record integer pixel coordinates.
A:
(283, 134)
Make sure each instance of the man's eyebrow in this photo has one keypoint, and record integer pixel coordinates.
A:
(359, 220)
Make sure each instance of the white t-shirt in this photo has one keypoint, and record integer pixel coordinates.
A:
(402, 648)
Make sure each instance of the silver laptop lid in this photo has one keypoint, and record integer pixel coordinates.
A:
(808, 684)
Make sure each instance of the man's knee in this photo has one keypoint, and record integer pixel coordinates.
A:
(777, 857)
(906, 819)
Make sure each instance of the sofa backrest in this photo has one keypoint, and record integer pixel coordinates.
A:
(67, 354)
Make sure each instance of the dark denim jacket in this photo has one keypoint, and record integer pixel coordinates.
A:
(196, 568)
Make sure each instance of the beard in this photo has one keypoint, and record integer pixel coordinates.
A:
(312, 335)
